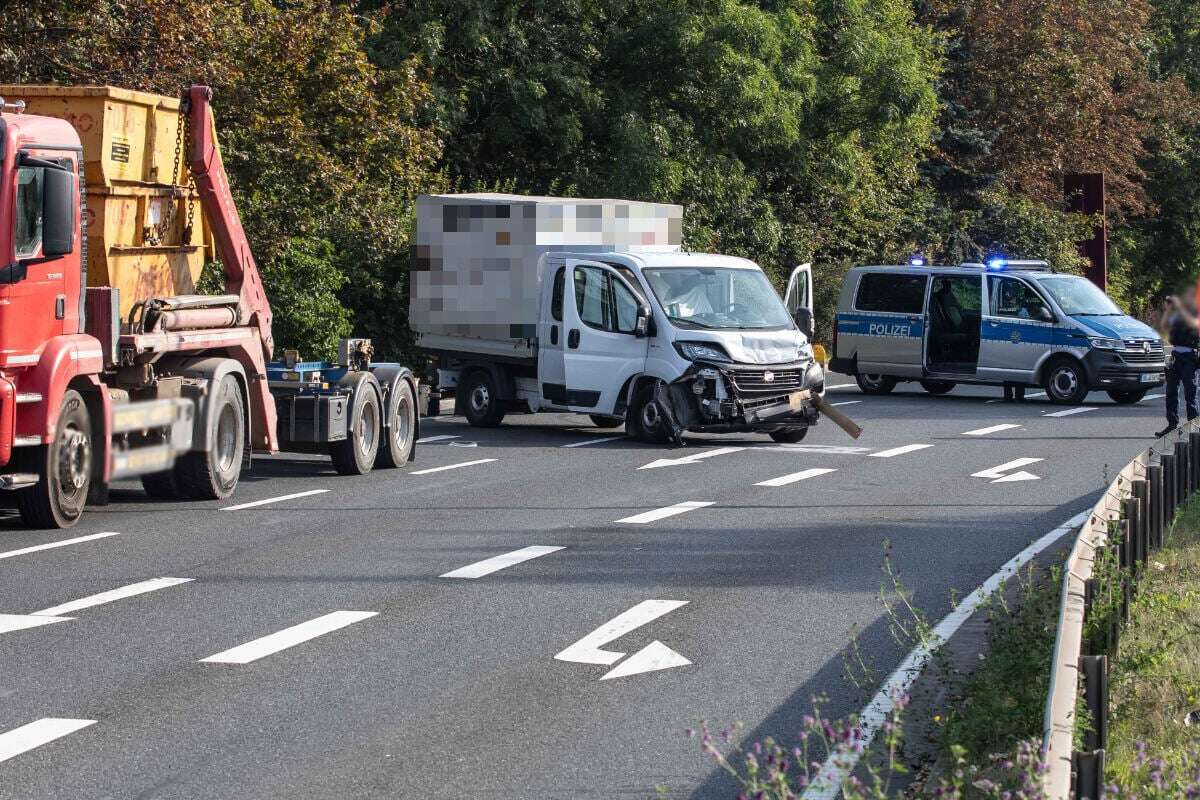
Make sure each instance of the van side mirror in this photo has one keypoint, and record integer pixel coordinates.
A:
(641, 326)
(804, 321)
(1045, 314)
(58, 213)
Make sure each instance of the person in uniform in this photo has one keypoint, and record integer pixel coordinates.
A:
(1183, 331)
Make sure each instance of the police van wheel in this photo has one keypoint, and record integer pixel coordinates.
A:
(790, 435)
(874, 384)
(1127, 397)
(1065, 382)
(937, 387)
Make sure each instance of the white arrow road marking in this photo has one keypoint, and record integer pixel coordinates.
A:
(497, 563)
(998, 472)
(993, 429)
(452, 466)
(1069, 411)
(692, 459)
(19, 622)
(899, 451)
(669, 511)
(62, 543)
(803, 475)
(36, 734)
(270, 500)
(651, 658)
(133, 589)
(593, 441)
(440, 438)
(587, 650)
(288, 637)
(1017, 476)
(463, 444)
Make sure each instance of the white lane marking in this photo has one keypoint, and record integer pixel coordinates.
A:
(692, 459)
(833, 449)
(1018, 476)
(36, 734)
(1035, 394)
(593, 441)
(587, 650)
(838, 767)
(846, 403)
(288, 637)
(19, 622)
(1152, 397)
(651, 658)
(842, 386)
(669, 511)
(803, 475)
(62, 543)
(440, 438)
(270, 500)
(1008, 426)
(452, 466)
(497, 563)
(133, 589)
(997, 472)
(1069, 411)
(899, 451)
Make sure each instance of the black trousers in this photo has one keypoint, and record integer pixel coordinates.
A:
(1181, 372)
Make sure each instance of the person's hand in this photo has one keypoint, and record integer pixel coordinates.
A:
(1172, 302)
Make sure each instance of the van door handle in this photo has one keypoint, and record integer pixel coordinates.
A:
(553, 334)
(573, 338)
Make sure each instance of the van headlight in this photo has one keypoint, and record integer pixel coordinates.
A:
(1107, 344)
(702, 351)
(804, 352)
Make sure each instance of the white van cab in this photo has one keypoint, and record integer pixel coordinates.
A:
(1004, 322)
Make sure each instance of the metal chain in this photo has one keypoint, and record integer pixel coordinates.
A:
(186, 124)
(157, 234)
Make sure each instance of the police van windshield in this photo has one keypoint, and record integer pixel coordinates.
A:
(1079, 297)
(718, 298)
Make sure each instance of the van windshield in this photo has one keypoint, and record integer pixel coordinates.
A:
(718, 297)
(1079, 297)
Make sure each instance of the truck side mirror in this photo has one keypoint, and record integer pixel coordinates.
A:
(641, 327)
(804, 321)
(58, 213)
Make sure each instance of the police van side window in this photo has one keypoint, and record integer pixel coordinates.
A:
(1013, 298)
(895, 294)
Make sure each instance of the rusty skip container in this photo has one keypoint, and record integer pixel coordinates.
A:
(137, 196)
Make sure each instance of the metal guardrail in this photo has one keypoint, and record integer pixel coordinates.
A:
(1130, 518)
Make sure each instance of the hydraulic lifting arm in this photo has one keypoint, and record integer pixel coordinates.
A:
(241, 272)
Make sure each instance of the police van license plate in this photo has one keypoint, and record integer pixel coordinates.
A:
(1149, 377)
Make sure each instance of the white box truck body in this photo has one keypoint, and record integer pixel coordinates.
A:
(591, 306)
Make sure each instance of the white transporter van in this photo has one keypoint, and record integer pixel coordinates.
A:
(590, 306)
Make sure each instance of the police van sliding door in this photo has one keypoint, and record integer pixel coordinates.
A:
(887, 326)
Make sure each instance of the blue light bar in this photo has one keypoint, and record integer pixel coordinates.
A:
(996, 263)
(916, 261)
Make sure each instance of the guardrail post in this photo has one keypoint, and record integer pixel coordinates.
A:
(1154, 479)
(1168, 472)
(1137, 537)
(1141, 491)
(1089, 775)
(1127, 567)
(1183, 478)
(1194, 445)
(1095, 694)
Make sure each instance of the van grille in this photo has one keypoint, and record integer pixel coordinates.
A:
(754, 381)
(1142, 351)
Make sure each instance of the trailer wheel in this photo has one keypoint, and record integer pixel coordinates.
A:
(64, 470)
(402, 421)
(482, 405)
(213, 474)
(355, 455)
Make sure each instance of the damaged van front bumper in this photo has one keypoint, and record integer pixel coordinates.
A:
(720, 398)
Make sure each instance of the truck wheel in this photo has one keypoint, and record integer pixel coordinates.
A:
(213, 474)
(481, 405)
(874, 384)
(937, 387)
(645, 419)
(1065, 382)
(64, 470)
(1127, 397)
(606, 422)
(398, 444)
(355, 455)
(790, 435)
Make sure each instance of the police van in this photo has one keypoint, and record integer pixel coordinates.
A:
(1003, 322)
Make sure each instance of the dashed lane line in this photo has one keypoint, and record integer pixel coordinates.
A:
(132, 590)
(432, 470)
(668, 511)
(288, 637)
(1152, 397)
(842, 386)
(269, 500)
(35, 734)
(899, 451)
(586, 442)
(439, 438)
(795, 477)
(497, 563)
(62, 543)
(1008, 426)
(1066, 412)
(846, 403)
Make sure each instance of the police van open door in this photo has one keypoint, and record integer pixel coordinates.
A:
(799, 298)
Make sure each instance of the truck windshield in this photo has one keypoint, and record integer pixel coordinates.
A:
(716, 297)
(1079, 297)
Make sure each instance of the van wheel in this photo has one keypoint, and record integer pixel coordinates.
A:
(1127, 397)
(63, 467)
(1065, 382)
(398, 444)
(789, 435)
(481, 405)
(874, 384)
(355, 455)
(213, 474)
(606, 422)
(937, 387)
(645, 419)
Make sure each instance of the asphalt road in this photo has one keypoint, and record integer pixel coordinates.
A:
(448, 687)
